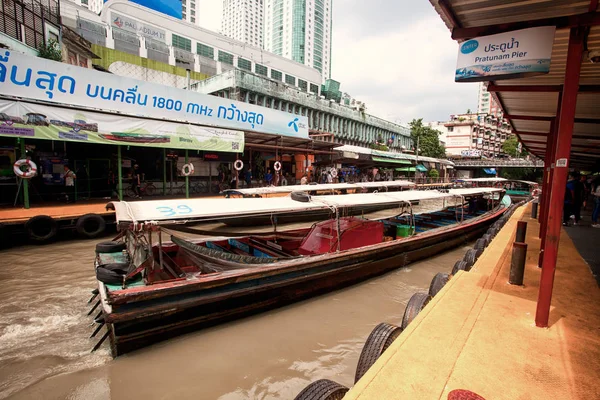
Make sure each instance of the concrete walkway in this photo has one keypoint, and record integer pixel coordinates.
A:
(479, 333)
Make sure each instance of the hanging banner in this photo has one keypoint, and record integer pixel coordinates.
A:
(40, 79)
(36, 121)
(509, 55)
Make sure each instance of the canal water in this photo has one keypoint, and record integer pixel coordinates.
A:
(45, 350)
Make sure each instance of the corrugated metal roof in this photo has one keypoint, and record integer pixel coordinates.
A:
(586, 136)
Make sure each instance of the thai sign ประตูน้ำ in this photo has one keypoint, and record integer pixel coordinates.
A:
(509, 55)
(40, 79)
(37, 121)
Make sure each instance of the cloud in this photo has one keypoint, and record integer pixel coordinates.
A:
(395, 55)
(403, 70)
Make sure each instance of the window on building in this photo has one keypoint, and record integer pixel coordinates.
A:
(72, 58)
(181, 42)
(83, 62)
(303, 85)
(314, 88)
(225, 57)
(260, 69)
(289, 79)
(450, 129)
(205, 51)
(244, 64)
(193, 12)
(276, 75)
(193, 19)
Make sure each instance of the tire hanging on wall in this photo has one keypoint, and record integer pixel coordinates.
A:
(378, 341)
(90, 225)
(460, 265)
(323, 389)
(437, 283)
(470, 257)
(417, 302)
(41, 228)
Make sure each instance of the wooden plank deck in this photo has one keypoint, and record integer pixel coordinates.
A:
(14, 216)
(479, 333)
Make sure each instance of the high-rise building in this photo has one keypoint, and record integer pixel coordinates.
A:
(243, 20)
(190, 11)
(92, 5)
(300, 30)
(486, 103)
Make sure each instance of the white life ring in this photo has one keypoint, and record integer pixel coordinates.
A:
(333, 173)
(30, 172)
(277, 166)
(187, 169)
(238, 165)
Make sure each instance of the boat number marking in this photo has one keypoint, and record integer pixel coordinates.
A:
(170, 212)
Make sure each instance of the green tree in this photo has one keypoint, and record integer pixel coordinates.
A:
(50, 50)
(433, 173)
(427, 139)
(511, 147)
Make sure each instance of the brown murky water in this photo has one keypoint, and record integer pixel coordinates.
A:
(44, 345)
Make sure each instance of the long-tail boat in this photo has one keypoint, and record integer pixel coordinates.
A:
(152, 291)
(517, 189)
(314, 190)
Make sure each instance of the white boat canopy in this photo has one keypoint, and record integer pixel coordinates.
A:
(482, 180)
(188, 210)
(319, 187)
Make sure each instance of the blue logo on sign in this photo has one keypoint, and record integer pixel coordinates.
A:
(294, 124)
(469, 46)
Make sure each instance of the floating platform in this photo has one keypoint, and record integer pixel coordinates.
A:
(42, 223)
(478, 333)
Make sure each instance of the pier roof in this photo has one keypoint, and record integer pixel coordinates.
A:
(531, 103)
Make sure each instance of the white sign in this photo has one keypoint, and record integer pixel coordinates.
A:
(137, 27)
(509, 55)
(40, 79)
(561, 163)
(471, 153)
(458, 141)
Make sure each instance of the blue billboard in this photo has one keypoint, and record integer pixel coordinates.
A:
(169, 7)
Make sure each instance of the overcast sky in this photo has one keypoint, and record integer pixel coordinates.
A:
(394, 55)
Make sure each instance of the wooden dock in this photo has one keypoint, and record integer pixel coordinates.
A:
(479, 334)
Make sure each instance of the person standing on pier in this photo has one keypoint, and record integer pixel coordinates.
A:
(596, 210)
(69, 177)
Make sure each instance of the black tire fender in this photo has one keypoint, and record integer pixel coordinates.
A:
(480, 244)
(301, 197)
(90, 225)
(323, 389)
(417, 302)
(470, 257)
(488, 239)
(111, 277)
(437, 283)
(110, 247)
(117, 267)
(460, 265)
(378, 341)
(41, 228)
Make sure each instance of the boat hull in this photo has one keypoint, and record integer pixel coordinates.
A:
(156, 315)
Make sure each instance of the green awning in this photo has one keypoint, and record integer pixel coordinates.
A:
(391, 160)
(421, 168)
(406, 169)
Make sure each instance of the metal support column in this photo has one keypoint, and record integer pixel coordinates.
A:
(119, 174)
(548, 188)
(187, 178)
(561, 171)
(164, 185)
(24, 182)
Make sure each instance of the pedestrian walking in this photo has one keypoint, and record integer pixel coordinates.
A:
(596, 211)
(569, 200)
